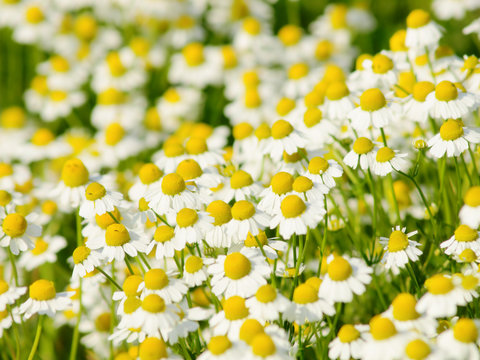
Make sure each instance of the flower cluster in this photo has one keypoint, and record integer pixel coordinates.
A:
(201, 186)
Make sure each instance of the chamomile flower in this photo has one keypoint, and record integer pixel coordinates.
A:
(383, 341)
(98, 200)
(9, 294)
(219, 236)
(362, 153)
(269, 246)
(307, 305)
(470, 211)
(461, 341)
(441, 298)
(60, 103)
(239, 273)
(281, 184)
(246, 218)
(229, 321)
(45, 251)
(399, 249)
(447, 102)
(388, 160)
(266, 346)
(119, 241)
(415, 107)
(156, 317)
(17, 232)
(373, 111)
(148, 175)
(267, 304)
(345, 276)
(295, 216)
(421, 30)
(166, 242)
(349, 342)
(85, 261)
(6, 320)
(284, 138)
(194, 271)
(323, 171)
(43, 299)
(157, 281)
(454, 138)
(71, 188)
(221, 348)
(240, 186)
(464, 238)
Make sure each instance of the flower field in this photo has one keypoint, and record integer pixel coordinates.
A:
(239, 179)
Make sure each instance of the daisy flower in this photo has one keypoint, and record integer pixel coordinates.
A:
(307, 305)
(296, 216)
(470, 211)
(43, 299)
(9, 294)
(194, 272)
(219, 236)
(148, 175)
(157, 281)
(85, 261)
(441, 298)
(467, 283)
(349, 342)
(267, 304)
(221, 348)
(229, 321)
(464, 238)
(60, 103)
(284, 137)
(338, 102)
(307, 189)
(17, 232)
(6, 319)
(446, 102)
(239, 273)
(155, 348)
(383, 341)
(270, 246)
(246, 219)
(461, 341)
(373, 110)
(453, 139)
(171, 193)
(130, 290)
(191, 226)
(120, 241)
(415, 107)
(422, 31)
(345, 277)
(240, 186)
(45, 251)
(204, 178)
(399, 249)
(387, 160)
(265, 347)
(280, 185)
(323, 171)
(156, 317)
(362, 152)
(166, 242)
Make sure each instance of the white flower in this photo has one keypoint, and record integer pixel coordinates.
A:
(399, 249)
(362, 152)
(373, 110)
(45, 251)
(267, 304)
(464, 238)
(84, 261)
(387, 160)
(453, 139)
(349, 342)
(157, 281)
(446, 102)
(9, 294)
(470, 212)
(422, 31)
(43, 299)
(17, 232)
(284, 137)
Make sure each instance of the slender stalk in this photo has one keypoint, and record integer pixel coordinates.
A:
(324, 240)
(15, 331)
(113, 217)
(76, 330)
(129, 266)
(37, 337)
(110, 279)
(14, 267)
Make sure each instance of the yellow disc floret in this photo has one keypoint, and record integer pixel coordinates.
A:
(42, 137)
(305, 294)
(382, 328)
(292, 206)
(114, 133)
(372, 100)
(418, 18)
(337, 90)
(302, 184)
(95, 191)
(74, 173)
(219, 344)
(116, 235)
(472, 197)
(398, 241)
(220, 211)
(193, 54)
(186, 217)
(381, 64)
(153, 303)
(417, 349)
(451, 130)
(156, 279)
(465, 233)
(266, 293)
(439, 284)
(421, 89)
(193, 264)
(446, 91)
(42, 290)
(131, 284)
(234, 308)
(263, 345)
(163, 233)
(236, 266)
(173, 184)
(404, 307)
(465, 331)
(281, 129)
(152, 349)
(243, 210)
(339, 269)
(362, 146)
(189, 169)
(14, 225)
(240, 179)
(348, 333)
(298, 71)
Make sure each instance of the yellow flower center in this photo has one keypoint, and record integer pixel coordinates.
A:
(103, 321)
(187, 217)
(234, 308)
(348, 333)
(385, 154)
(153, 303)
(251, 241)
(172, 95)
(140, 46)
(305, 294)
(263, 345)
(281, 129)
(451, 130)
(469, 282)
(116, 235)
(130, 285)
(58, 95)
(324, 50)
(114, 133)
(152, 120)
(382, 328)
(240, 179)
(298, 71)
(284, 106)
(339, 269)
(250, 79)
(236, 266)
(59, 64)
(74, 173)
(418, 18)
(156, 279)
(193, 54)
(362, 146)
(163, 233)
(292, 206)
(243, 210)
(196, 145)
(220, 211)
(13, 117)
(115, 64)
(193, 264)
(338, 16)
(149, 173)
(381, 64)
(106, 220)
(42, 137)
(337, 90)
(86, 27)
(465, 331)
(95, 191)
(318, 165)
(290, 35)
(465, 233)
(189, 169)
(417, 349)
(173, 184)
(5, 198)
(266, 293)
(14, 225)
(439, 284)
(111, 96)
(5, 169)
(421, 89)
(372, 100)
(263, 131)
(249, 329)
(361, 59)
(42, 290)
(3, 287)
(282, 183)
(251, 26)
(152, 349)
(446, 91)
(468, 255)
(229, 57)
(80, 254)
(34, 15)
(252, 98)
(472, 196)
(397, 41)
(219, 344)
(302, 184)
(398, 241)
(315, 97)
(312, 117)
(404, 307)
(242, 131)
(40, 247)
(131, 304)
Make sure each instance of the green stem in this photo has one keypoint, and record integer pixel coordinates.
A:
(324, 239)
(79, 227)
(129, 266)
(395, 202)
(76, 330)
(15, 331)
(37, 337)
(14, 267)
(110, 279)
(144, 259)
(113, 217)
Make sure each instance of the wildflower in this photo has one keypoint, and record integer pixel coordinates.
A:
(399, 249)
(17, 232)
(43, 299)
(470, 211)
(454, 138)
